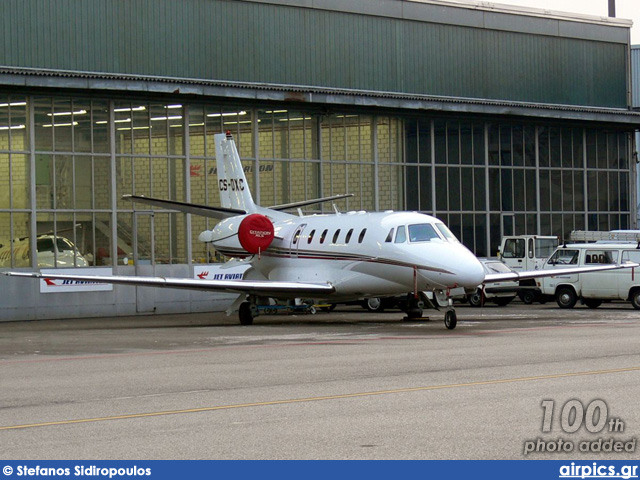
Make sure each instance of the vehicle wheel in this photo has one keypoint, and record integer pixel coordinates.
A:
(527, 297)
(592, 302)
(245, 314)
(476, 299)
(502, 301)
(373, 304)
(635, 298)
(450, 319)
(566, 297)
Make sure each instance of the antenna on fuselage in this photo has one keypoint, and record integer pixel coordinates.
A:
(335, 209)
(300, 212)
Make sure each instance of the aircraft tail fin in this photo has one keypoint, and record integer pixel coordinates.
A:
(232, 183)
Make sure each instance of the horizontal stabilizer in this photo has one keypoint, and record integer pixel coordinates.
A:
(202, 210)
(304, 203)
(257, 287)
(552, 272)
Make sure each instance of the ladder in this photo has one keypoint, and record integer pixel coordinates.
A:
(615, 236)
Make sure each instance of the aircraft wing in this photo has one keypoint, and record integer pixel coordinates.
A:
(516, 276)
(257, 287)
(202, 210)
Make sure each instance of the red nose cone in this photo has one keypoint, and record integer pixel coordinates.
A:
(255, 233)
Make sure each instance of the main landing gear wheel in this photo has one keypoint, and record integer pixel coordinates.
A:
(450, 319)
(245, 313)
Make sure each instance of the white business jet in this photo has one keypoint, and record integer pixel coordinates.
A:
(332, 257)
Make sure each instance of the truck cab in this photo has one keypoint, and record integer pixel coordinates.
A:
(525, 253)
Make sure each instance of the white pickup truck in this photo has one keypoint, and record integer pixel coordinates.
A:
(523, 253)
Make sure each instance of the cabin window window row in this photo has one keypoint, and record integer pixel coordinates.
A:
(335, 238)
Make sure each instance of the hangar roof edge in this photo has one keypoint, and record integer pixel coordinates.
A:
(97, 81)
(530, 11)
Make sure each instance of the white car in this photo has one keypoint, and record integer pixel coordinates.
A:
(500, 293)
(53, 251)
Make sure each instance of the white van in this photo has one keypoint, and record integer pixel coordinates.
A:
(592, 288)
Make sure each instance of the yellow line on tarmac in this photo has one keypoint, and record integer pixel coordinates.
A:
(327, 397)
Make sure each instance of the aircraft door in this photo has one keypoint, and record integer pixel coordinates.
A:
(295, 240)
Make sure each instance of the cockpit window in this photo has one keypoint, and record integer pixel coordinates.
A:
(422, 232)
(401, 235)
(446, 232)
(390, 236)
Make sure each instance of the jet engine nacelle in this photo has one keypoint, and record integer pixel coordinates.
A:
(253, 234)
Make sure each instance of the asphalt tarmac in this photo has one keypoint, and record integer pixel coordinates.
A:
(342, 385)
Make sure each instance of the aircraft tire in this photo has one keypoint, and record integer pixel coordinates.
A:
(245, 314)
(566, 297)
(450, 319)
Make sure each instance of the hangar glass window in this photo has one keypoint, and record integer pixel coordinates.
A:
(150, 160)
(73, 177)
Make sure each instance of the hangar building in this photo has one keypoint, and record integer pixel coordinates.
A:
(494, 118)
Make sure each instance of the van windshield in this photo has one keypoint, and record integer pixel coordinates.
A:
(564, 257)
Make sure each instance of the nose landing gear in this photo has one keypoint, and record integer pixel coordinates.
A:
(450, 319)
(444, 299)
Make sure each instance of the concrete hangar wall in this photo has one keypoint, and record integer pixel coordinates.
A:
(494, 119)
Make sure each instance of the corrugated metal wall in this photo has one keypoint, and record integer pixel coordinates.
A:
(635, 75)
(253, 42)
